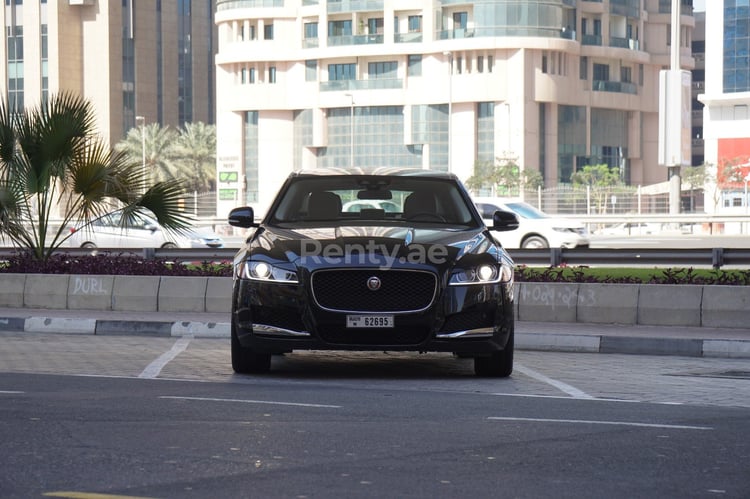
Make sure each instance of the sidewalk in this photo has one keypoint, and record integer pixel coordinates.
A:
(547, 336)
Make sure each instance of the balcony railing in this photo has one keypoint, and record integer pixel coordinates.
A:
(415, 37)
(591, 39)
(247, 4)
(337, 41)
(354, 5)
(310, 43)
(497, 31)
(624, 43)
(622, 87)
(374, 84)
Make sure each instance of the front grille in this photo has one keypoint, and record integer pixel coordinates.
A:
(375, 337)
(347, 290)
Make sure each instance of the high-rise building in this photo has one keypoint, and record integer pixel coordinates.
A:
(439, 84)
(726, 115)
(153, 59)
(698, 84)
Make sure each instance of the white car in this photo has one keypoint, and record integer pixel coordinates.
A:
(630, 229)
(145, 232)
(536, 229)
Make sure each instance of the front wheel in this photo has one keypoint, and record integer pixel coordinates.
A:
(497, 364)
(535, 242)
(245, 360)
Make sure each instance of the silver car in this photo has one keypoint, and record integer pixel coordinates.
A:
(144, 232)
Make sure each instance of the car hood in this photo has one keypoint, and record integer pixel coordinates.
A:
(381, 245)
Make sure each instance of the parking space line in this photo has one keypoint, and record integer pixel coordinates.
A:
(612, 423)
(563, 387)
(153, 369)
(248, 401)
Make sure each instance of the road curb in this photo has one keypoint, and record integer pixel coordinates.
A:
(543, 341)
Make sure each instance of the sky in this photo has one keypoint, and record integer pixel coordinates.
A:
(699, 5)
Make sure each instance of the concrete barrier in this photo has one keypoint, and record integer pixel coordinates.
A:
(12, 289)
(90, 292)
(548, 302)
(726, 306)
(182, 294)
(603, 303)
(46, 291)
(219, 294)
(643, 304)
(136, 293)
(670, 305)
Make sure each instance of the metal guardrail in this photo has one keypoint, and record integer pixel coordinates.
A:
(550, 257)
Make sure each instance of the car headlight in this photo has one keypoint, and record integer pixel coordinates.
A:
(482, 274)
(264, 271)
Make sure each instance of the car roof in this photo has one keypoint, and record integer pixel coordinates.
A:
(375, 171)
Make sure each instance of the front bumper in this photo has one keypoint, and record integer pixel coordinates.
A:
(275, 317)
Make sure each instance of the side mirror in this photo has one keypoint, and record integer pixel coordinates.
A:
(242, 217)
(504, 221)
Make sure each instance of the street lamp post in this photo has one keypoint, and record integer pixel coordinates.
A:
(351, 129)
(142, 119)
(449, 54)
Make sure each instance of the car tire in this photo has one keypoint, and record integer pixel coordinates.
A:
(245, 360)
(169, 246)
(497, 364)
(535, 242)
(88, 245)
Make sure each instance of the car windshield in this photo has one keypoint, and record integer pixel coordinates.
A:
(525, 210)
(356, 199)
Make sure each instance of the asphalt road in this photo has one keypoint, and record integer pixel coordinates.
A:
(92, 417)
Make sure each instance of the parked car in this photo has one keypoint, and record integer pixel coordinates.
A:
(536, 229)
(630, 228)
(426, 278)
(144, 232)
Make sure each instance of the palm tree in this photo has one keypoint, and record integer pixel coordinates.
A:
(53, 163)
(188, 154)
(195, 151)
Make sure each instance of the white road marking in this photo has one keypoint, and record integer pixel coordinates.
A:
(614, 423)
(153, 369)
(248, 401)
(10, 392)
(563, 387)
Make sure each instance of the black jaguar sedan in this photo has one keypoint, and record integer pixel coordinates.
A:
(425, 277)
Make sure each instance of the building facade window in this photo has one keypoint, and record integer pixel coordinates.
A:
(414, 65)
(185, 61)
(340, 28)
(342, 72)
(571, 140)
(384, 70)
(486, 131)
(379, 139)
(609, 140)
(736, 56)
(311, 70)
(272, 74)
(268, 32)
(14, 40)
(429, 126)
(415, 24)
(311, 30)
(251, 156)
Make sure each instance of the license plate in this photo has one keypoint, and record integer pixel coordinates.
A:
(366, 321)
